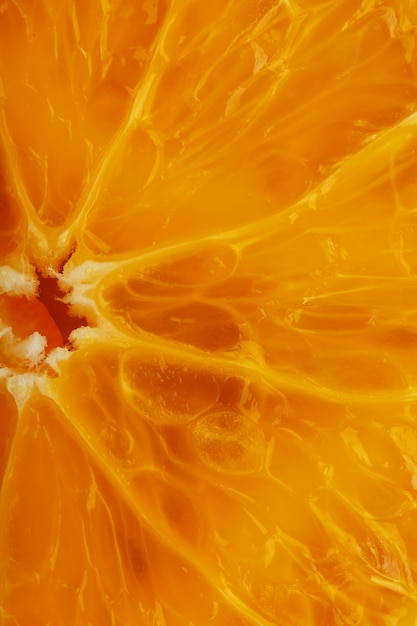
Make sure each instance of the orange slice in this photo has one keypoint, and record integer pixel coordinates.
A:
(208, 313)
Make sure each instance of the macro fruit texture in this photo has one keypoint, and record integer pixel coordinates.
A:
(208, 327)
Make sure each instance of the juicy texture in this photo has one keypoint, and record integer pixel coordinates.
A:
(226, 196)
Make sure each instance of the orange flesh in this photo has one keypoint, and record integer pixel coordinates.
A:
(26, 316)
(223, 197)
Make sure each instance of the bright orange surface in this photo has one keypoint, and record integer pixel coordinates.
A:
(225, 195)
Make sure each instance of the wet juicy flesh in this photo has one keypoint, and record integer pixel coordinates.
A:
(208, 313)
